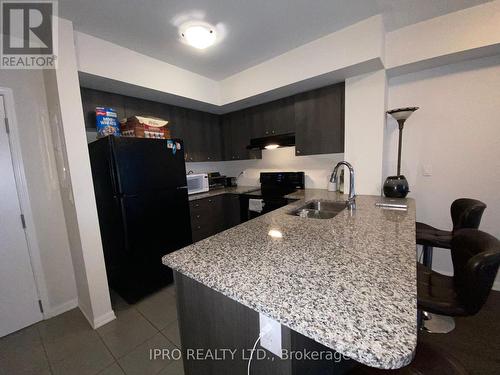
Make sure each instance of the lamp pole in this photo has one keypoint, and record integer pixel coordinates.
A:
(400, 143)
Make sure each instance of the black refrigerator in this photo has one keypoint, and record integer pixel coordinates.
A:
(142, 201)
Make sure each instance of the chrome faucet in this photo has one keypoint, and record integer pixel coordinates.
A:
(351, 202)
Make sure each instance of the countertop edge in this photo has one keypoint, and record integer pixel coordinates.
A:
(385, 365)
(221, 191)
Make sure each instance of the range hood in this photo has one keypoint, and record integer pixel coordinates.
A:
(272, 142)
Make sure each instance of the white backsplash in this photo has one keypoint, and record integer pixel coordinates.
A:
(317, 168)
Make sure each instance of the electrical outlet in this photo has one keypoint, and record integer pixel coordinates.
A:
(272, 339)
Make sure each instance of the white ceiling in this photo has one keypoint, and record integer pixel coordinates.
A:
(255, 30)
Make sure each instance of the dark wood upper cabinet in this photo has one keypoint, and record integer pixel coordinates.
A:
(94, 98)
(195, 147)
(204, 139)
(177, 122)
(316, 117)
(200, 131)
(237, 131)
(272, 118)
(214, 138)
(319, 121)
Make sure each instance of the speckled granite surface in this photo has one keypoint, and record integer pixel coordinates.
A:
(228, 190)
(348, 283)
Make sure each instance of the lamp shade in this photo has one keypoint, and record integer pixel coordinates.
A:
(402, 113)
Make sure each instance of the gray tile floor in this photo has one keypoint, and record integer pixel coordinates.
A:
(66, 344)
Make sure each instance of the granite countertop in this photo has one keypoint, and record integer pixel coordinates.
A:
(227, 190)
(348, 282)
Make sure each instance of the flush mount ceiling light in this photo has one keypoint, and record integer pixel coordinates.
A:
(198, 35)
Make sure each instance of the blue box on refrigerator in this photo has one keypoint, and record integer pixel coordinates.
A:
(106, 122)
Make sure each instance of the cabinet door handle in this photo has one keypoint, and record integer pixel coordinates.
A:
(197, 216)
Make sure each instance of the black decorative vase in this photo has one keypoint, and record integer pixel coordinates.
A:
(396, 187)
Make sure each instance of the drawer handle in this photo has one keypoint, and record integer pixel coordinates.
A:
(197, 216)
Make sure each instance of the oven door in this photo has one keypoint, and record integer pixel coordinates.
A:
(269, 204)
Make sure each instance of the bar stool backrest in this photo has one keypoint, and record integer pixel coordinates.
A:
(466, 213)
(476, 257)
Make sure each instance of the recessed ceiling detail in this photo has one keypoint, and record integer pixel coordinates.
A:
(252, 31)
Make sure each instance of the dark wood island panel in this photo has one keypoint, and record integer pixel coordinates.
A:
(212, 322)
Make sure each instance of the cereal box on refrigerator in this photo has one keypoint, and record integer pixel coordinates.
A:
(106, 122)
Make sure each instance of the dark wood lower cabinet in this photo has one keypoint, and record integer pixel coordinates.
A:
(212, 215)
(210, 322)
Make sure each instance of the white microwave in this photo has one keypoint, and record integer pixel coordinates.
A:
(197, 183)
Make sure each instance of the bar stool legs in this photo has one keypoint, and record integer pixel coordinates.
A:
(434, 323)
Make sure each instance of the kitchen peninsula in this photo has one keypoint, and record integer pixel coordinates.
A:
(345, 284)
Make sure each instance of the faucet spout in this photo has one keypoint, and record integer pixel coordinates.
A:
(334, 177)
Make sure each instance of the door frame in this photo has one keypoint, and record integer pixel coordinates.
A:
(24, 199)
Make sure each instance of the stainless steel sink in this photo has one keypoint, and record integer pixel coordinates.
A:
(319, 209)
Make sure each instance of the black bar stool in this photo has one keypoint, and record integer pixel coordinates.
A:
(465, 213)
(476, 258)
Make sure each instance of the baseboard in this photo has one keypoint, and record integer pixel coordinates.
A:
(496, 285)
(100, 320)
(62, 308)
(103, 319)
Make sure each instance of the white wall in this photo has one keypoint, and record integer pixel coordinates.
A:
(361, 42)
(63, 89)
(45, 196)
(456, 135)
(443, 39)
(365, 105)
(105, 59)
(317, 168)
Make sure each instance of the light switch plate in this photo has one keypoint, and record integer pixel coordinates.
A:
(427, 170)
(272, 340)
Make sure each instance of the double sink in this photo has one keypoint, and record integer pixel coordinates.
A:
(319, 209)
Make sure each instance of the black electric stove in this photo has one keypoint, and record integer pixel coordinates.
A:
(274, 186)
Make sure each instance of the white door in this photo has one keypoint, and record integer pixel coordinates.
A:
(18, 293)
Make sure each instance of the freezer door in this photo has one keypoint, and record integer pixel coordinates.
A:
(156, 224)
(145, 165)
